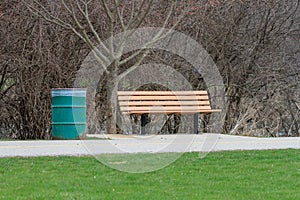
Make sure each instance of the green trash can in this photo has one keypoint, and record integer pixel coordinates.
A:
(68, 113)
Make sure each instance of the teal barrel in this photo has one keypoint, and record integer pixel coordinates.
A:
(68, 113)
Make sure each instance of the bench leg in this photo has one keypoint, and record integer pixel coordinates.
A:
(143, 124)
(196, 119)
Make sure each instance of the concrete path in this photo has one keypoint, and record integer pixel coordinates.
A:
(145, 144)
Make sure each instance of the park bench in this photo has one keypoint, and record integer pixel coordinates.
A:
(164, 102)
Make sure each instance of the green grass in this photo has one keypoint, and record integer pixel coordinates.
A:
(222, 175)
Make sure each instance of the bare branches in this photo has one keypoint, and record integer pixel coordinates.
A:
(159, 36)
(79, 29)
(249, 41)
(35, 60)
(80, 8)
(77, 18)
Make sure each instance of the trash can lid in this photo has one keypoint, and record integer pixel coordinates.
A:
(78, 92)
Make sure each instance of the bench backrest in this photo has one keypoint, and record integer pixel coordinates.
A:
(164, 102)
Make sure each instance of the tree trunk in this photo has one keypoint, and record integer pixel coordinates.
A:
(111, 118)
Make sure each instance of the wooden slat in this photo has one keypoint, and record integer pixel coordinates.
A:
(164, 108)
(179, 98)
(160, 93)
(171, 112)
(163, 103)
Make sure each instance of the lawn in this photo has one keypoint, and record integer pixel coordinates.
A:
(255, 175)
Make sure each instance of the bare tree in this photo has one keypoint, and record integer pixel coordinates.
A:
(255, 44)
(116, 16)
(248, 41)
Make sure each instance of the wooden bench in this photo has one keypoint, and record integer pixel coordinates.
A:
(164, 102)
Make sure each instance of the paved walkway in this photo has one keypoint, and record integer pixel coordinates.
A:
(146, 144)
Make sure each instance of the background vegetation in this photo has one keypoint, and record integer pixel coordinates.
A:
(255, 45)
